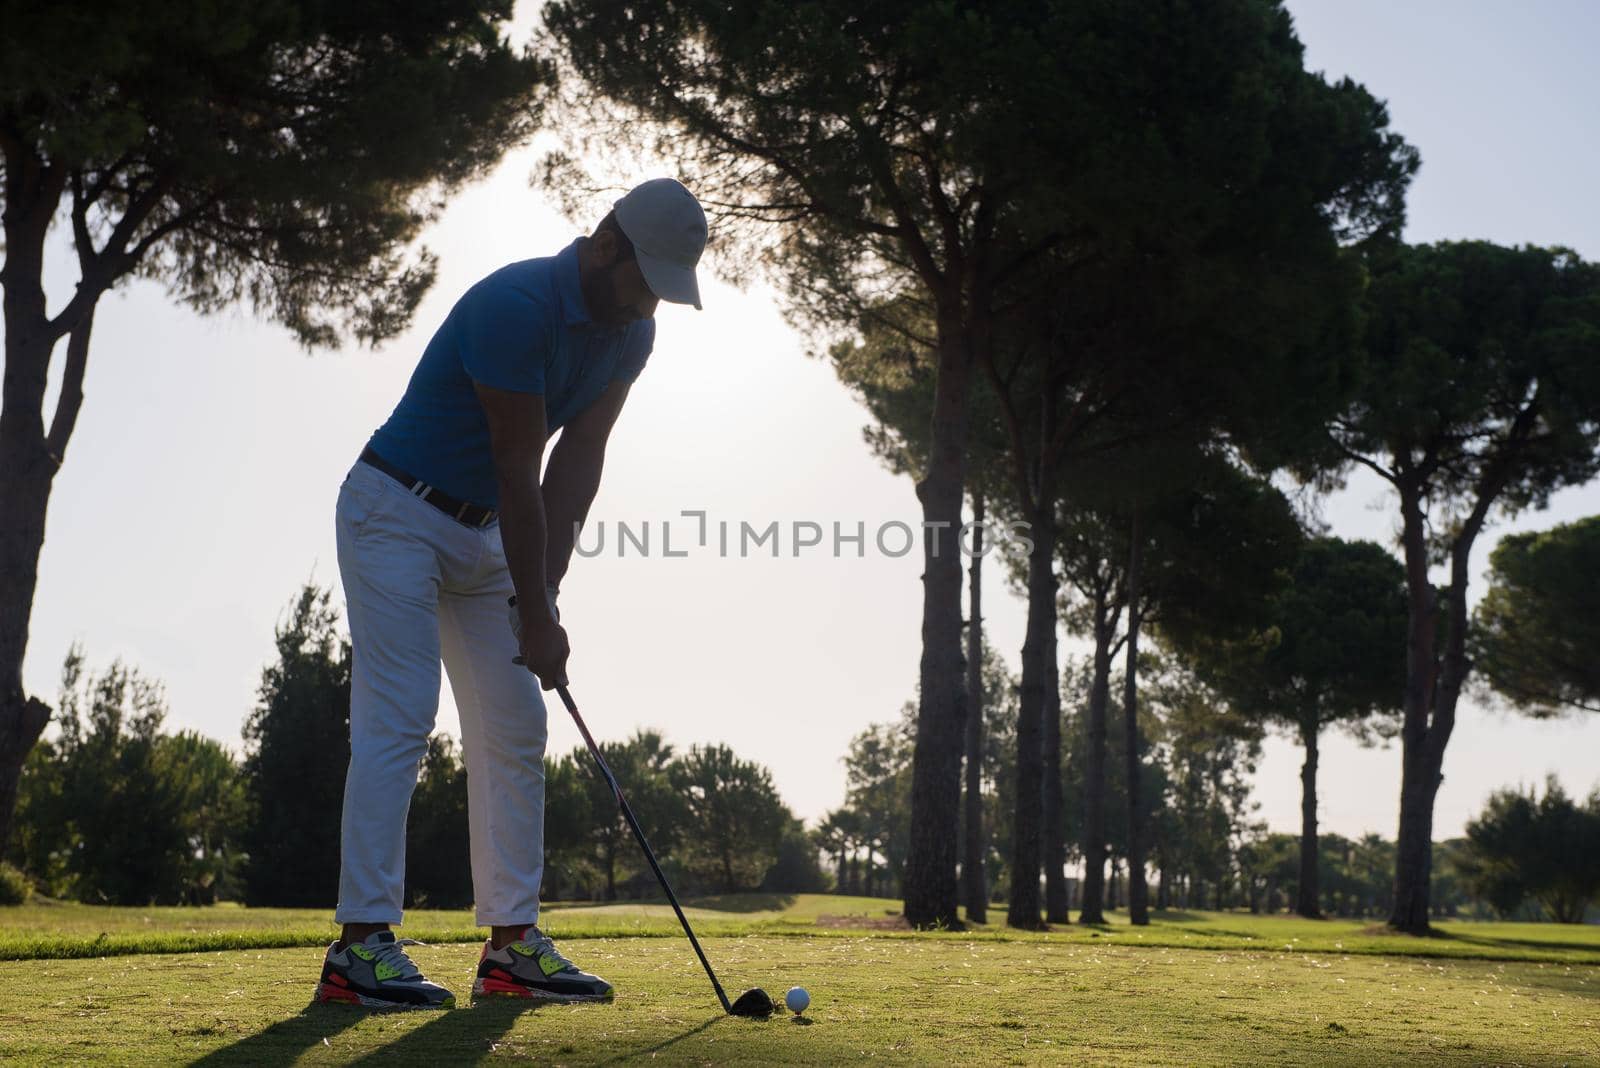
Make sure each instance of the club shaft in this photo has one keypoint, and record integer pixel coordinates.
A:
(649, 854)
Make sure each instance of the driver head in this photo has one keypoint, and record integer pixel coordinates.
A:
(752, 1003)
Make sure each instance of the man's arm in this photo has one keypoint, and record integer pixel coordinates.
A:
(517, 434)
(573, 476)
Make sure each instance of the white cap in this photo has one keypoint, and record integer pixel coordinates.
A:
(668, 229)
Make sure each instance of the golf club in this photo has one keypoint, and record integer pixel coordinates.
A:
(752, 1002)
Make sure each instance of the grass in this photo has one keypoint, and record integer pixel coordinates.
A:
(904, 1000)
(45, 929)
(231, 985)
(56, 930)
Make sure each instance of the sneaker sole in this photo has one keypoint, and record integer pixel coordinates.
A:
(495, 988)
(328, 994)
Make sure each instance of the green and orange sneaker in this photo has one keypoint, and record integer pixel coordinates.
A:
(532, 967)
(377, 974)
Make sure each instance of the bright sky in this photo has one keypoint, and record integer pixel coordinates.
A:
(198, 492)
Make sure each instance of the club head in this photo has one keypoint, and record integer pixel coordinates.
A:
(754, 1003)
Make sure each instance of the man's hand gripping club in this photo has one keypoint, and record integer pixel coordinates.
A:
(541, 641)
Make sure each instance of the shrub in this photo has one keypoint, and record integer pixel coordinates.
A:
(15, 888)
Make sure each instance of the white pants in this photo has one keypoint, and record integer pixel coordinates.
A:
(419, 587)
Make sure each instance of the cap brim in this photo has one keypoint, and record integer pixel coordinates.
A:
(672, 282)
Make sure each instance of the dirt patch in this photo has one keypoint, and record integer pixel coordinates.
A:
(871, 923)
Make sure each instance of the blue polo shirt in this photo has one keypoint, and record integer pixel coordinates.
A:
(525, 329)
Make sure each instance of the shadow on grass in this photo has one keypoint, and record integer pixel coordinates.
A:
(650, 1051)
(714, 903)
(461, 1036)
(1221, 932)
(286, 1040)
(744, 902)
(1447, 935)
(450, 1036)
(1176, 916)
(468, 1036)
(1575, 982)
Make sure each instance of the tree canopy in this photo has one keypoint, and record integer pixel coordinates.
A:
(115, 810)
(281, 154)
(1536, 632)
(1545, 848)
(1332, 646)
(297, 750)
(738, 818)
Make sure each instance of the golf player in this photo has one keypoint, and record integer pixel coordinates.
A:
(441, 520)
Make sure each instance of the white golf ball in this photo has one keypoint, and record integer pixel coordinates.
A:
(797, 999)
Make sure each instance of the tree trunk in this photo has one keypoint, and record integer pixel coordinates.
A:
(611, 874)
(27, 472)
(1309, 899)
(1138, 891)
(930, 873)
(1413, 857)
(1054, 840)
(1094, 800)
(1038, 675)
(1163, 893)
(974, 880)
(1433, 687)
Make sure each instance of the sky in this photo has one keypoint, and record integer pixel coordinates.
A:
(198, 492)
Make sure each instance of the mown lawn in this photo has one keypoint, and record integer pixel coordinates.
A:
(61, 930)
(933, 1000)
(44, 929)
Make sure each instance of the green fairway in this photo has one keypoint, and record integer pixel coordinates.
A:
(62, 930)
(1191, 988)
(906, 1000)
(66, 929)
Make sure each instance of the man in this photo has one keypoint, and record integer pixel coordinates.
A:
(439, 523)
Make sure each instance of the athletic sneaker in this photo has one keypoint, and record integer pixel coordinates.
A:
(378, 974)
(532, 967)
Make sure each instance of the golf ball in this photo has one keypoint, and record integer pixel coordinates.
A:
(797, 999)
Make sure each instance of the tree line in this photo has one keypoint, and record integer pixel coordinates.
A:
(1525, 856)
(115, 810)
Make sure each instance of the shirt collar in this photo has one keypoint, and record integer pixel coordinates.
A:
(574, 312)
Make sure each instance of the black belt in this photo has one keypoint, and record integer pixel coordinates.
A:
(472, 515)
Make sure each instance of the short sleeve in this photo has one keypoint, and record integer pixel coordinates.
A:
(503, 336)
(636, 349)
